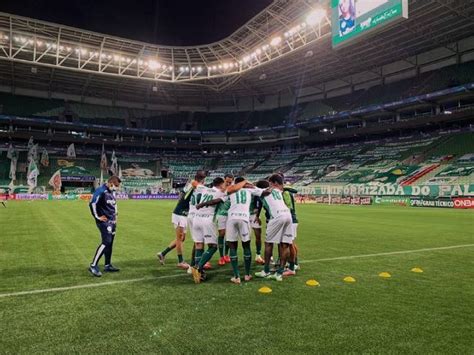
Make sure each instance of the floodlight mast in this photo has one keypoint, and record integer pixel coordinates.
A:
(30, 41)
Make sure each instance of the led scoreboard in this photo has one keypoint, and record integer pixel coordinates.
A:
(353, 19)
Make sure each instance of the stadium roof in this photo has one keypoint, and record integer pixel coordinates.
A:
(247, 69)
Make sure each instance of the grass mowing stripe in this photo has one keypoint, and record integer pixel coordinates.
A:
(107, 283)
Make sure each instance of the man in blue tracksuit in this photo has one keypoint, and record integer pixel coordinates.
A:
(103, 207)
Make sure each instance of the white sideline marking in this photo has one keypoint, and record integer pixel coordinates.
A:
(68, 288)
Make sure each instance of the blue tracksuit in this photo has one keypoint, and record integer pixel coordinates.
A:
(103, 203)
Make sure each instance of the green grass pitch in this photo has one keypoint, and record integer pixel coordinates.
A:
(46, 245)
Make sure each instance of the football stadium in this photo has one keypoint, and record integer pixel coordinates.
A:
(271, 176)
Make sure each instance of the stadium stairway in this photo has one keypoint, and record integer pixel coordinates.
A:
(410, 180)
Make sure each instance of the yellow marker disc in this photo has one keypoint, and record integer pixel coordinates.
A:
(312, 283)
(416, 269)
(265, 289)
(349, 279)
(385, 275)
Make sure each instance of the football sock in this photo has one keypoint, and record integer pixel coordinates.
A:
(197, 257)
(206, 256)
(220, 243)
(266, 268)
(280, 270)
(258, 247)
(234, 261)
(292, 266)
(180, 258)
(247, 260)
(226, 249)
(296, 261)
(166, 251)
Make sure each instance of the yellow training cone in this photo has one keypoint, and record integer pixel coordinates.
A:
(385, 275)
(416, 269)
(265, 289)
(349, 279)
(312, 283)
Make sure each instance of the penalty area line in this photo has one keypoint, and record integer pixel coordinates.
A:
(152, 278)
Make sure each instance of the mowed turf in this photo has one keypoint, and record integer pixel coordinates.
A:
(47, 245)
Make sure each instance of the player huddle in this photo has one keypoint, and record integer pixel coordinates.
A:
(223, 213)
(218, 216)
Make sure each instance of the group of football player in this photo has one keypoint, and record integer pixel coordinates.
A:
(223, 213)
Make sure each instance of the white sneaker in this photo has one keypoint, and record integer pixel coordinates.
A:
(297, 267)
(235, 280)
(262, 274)
(276, 276)
(190, 270)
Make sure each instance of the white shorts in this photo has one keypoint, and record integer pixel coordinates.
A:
(221, 222)
(280, 230)
(295, 230)
(254, 222)
(237, 229)
(179, 221)
(190, 221)
(204, 230)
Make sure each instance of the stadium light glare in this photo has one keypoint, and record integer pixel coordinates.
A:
(39, 43)
(83, 51)
(214, 67)
(199, 69)
(186, 69)
(153, 64)
(275, 41)
(68, 49)
(315, 17)
(6, 37)
(258, 51)
(170, 68)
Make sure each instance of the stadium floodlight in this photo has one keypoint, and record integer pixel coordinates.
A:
(69, 49)
(275, 41)
(153, 64)
(186, 69)
(170, 67)
(258, 51)
(116, 58)
(315, 17)
(226, 65)
(39, 43)
(199, 69)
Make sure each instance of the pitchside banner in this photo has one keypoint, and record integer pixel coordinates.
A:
(397, 190)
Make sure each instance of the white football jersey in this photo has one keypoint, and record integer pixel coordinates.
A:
(205, 195)
(194, 199)
(275, 205)
(240, 203)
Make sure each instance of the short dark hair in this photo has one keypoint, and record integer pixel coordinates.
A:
(276, 179)
(228, 175)
(239, 179)
(262, 184)
(115, 180)
(200, 176)
(217, 181)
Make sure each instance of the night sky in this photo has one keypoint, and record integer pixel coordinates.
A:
(178, 22)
